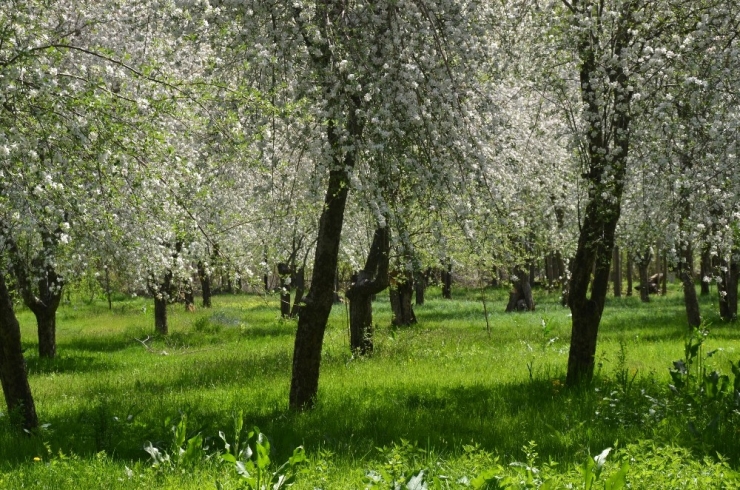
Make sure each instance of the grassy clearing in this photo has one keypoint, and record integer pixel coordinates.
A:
(442, 396)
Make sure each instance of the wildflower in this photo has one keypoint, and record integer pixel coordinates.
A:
(36, 458)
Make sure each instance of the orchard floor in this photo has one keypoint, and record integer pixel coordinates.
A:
(448, 403)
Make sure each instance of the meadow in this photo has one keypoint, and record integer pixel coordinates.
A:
(452, 402)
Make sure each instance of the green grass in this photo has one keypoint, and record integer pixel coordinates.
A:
(460, 397)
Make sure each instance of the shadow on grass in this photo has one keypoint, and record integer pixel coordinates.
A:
(66, 363)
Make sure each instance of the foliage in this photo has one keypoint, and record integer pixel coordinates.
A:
(710, 401)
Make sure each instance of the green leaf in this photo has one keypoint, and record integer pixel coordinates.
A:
(619, 479)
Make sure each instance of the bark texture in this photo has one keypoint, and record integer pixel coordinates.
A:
(617, 271)
(728, 290)
(446, 277)
(402, 289)
(520, 298)
(369, 281)
(607, 160)
(13, 374)
(643, 262)
(205, 284)
(41, 294)
(686, 274)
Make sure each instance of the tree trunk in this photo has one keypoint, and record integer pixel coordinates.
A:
(685, 272)
(46, 323)
(205, 284)
(285, 272)
(664, 272)
(369, 282)
(162, 294)
(642, 267)
(299, 281)
(13, 374)
(706, 269)
(400, 296)
(107, 288)
(420, 285)
(607, 166)
(315, 312)
(42, 299)
(520, 299)
(361, 320)
(160, 315)
(447, 281)
(630, 273)
(188, 296)
(728, 291)
(617, 271)
(644, 282)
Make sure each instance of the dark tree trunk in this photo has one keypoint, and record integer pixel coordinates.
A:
(315, 312)
(44, 306)
(44, 297)
(664, 272)
(188, 296)
(617, 271)
(520, 299)
(400, 296)
(205, 284)
(13, 374)
(420, 285)
(299, 281)
(361, 320)
(369, 282)
(605, 174)
(685, 272)
(46, 322)
(728, 291)
(447, 281)
(706, 269)
(630, 272)
(642, 267)
(162, 293)
(160, 315)
(107, 288)
(285, 272)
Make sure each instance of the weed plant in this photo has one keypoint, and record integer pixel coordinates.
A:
(441, 404)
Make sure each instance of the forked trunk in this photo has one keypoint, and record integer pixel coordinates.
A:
(13, 374)
(368, 282)
(43, 300)
(606, 173)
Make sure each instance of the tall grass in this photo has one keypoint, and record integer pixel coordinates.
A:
(444, 384)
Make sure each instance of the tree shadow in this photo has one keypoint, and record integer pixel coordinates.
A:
(66, 363)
